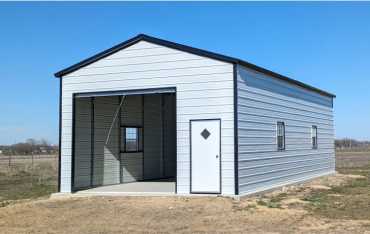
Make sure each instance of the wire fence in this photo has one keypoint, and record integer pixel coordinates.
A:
(14, 160)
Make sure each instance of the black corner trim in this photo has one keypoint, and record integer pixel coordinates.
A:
(92, 140)
(236, 142)
(73, 142)
(60, 134)
(188, 49)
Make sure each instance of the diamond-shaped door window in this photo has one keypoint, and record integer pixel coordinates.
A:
(205, 133)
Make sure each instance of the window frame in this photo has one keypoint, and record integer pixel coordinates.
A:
(139, 139)
(314, 146)
(280, 123)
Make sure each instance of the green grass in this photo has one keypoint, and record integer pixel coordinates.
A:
(348, 201)
(272, 202)
(23, 182)
(269, 203)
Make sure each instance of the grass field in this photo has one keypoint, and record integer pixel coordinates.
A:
(27, 180)
(334, 204)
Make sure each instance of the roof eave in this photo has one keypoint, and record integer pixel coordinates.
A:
(98, 56)
(285, 78)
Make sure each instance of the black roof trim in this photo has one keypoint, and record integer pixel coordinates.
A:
(189, 49)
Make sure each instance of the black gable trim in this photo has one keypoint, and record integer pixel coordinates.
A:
(142, 37)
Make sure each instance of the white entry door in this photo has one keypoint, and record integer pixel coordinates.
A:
(205, 156)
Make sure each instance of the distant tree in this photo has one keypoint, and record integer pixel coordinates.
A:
(30, 146)
(22, 148)
(44, 142)
(348, 143)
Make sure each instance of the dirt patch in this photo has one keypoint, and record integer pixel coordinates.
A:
(332, 204)
(165, 215)
(290, 210)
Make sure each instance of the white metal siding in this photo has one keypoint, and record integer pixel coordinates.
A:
(204, 90)
(261, 166)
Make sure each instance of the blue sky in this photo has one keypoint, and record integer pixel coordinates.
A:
(326, 45)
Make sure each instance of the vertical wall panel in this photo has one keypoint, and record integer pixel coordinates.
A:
(132, 115)
(169, 135)
(153, 158)
(82, 174)
(132, 167)
(106, 152)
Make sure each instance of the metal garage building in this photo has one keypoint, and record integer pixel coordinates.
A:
(149, 115)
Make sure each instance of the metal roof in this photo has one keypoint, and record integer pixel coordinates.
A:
(220, 57)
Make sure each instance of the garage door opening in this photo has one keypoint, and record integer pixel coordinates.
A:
(124, 143)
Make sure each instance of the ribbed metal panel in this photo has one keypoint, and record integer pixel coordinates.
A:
(82, 169)
(132, 167)
(169, 135)
(153, 148)
(106, 152)
(261, 103)
(204, 89)
(132, 115)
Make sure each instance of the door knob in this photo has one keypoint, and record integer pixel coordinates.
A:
(216, 156)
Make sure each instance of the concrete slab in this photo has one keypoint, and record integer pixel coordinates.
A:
(153, 187)
(163, 188)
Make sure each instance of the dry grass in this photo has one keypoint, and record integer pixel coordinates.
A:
(334, 204)
(352, 159)
(166, 215)
(24, 181)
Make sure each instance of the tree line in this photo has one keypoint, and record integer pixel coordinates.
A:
(348, 143)
(42, 146)
(29, 147)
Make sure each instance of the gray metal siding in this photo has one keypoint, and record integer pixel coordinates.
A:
(260, 165)
(106, 152)
(132, 111)
(132, 115)
(132, 167)
(82, 169)
(153, 156)
(265, 82)
(169, 135)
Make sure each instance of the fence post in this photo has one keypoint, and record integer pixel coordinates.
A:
(32, 170)
(10, 158)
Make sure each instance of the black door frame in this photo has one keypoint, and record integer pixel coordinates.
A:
(116, 93)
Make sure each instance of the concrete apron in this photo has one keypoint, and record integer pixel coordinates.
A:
(145, 188)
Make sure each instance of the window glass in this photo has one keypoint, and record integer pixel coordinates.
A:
(131, 139)
(280, 135)
(314, 137)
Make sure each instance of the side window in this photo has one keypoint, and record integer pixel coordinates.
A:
(131, 139)
(280, 128)
(314, 137)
